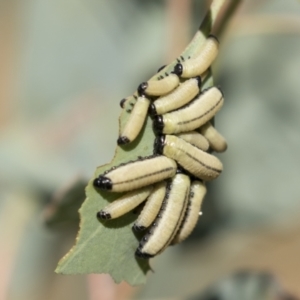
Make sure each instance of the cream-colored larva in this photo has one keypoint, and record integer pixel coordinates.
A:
(182, 95)
(159, 87)
(135, 122)
(165, 226)
(195, 138)
(136, 174)
(197, 193)
(199, 64)
(216, 141)
(152, 207)
(197, 162)
(125, 203)
(191, 116)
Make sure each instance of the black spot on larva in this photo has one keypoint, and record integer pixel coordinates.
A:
(214, 37)
(142, 88)
(123, 140)
(152, 110)
(122, 102)
(158, 124)
(128, 110)
(103, 215)
(138, 228)
(162, 67)
(198, 78)
(103, 183)
(178, 69)
(159, 144)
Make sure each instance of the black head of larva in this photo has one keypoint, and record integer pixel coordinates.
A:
(138, 228)
(211, 36)
(178, 69)
(103, 183)
(199, 80)
(142, 88)
(159, 144)
(140, 254)
(158, 124)
(180, 170)
(103, 215)
(122, 140)
(122, 102)
(152, 110)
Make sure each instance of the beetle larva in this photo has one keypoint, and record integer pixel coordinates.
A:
(136, 174)
(195, 138)
(197, 162)
(197, 193)
(166, 224)
(191, 116)
(216, 141)
(135, 122)
(183, 94)
(125, 203)
(199, 64)
(159, 87)
(152, 207)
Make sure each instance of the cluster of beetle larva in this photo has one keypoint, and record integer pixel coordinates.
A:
(173, 179)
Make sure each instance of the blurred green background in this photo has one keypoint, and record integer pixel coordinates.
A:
(64, 67)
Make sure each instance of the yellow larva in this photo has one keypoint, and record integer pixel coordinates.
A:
(177, 98)
(168, 220)
(195, 138)
(136, 174)
(159, 87)
(152, 207)
(191, 116)
(197, 193)
(198, 65)
(135, 122)
(216, 141)
(125, 203)
(197, 162)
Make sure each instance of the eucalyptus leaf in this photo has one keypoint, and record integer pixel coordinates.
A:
(109, 246)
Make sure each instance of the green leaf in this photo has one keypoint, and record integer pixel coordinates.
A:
(64, 205)
(109, 246)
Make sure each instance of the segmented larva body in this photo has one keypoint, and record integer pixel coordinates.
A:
(137, 174)
(165, 226)
(135, 122)
(216, 141)
(152, 207)
(195, 138)
(125, 203)
(159, 87)
(197, 194)
(197, 162)
(199, 64)
(183, 94)
(191, 116)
